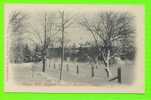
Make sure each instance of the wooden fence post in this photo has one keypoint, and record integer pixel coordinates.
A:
(119, 75)
(67, 67)
(92, 71)
(54, 66)
(96, 66)
(77, 69)
(32, 72)
(49, 65)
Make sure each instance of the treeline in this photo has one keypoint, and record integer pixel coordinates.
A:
(81, 54)
(25, 54)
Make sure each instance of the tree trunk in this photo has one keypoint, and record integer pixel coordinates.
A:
(44, 45)
(107, 69)
(108, 72)
(62, 43)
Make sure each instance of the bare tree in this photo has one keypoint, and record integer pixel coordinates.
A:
(17, 27)
(109, 31)
(65, 23)
(45, 44)
(45, 37)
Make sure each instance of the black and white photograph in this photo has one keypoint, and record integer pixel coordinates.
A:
(74, 48)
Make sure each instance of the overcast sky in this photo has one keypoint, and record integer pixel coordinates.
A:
(75, 33)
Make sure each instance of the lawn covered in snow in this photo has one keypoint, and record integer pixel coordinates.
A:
(31, 74)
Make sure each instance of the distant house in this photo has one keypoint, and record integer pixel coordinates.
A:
(76, 53)
(54, 52)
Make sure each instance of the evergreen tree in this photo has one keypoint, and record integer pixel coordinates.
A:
(26, 54)
(37, 54)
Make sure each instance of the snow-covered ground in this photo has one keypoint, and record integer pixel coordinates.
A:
(31, 74)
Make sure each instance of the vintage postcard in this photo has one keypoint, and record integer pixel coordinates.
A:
(75, 48)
